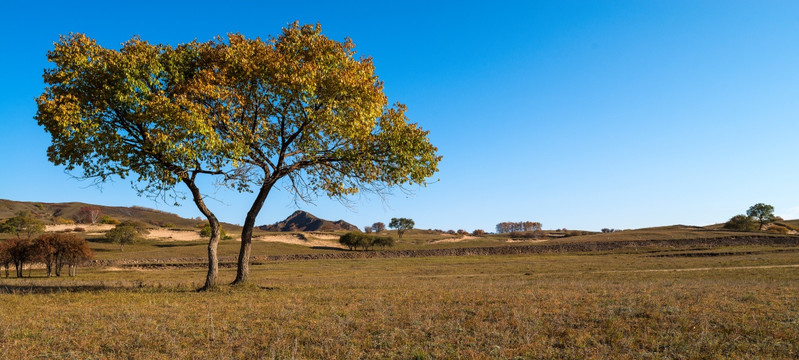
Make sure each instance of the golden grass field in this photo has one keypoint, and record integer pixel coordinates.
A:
(739, 302)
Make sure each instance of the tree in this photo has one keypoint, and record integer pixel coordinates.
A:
(125, 233)
(761, 212)
(5, 257)
(379, 227)
(19, 251)
(367, 229)
(401, 224)
(741, 222)
(89, 214)
(132, 111)
(313, 117)
(24, 223)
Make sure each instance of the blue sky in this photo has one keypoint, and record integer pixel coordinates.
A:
(577, 114)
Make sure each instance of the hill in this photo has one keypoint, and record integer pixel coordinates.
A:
(50, 212)
(304, 221)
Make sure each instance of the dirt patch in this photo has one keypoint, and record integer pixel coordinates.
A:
(89, 229)
(174, 235)
(454, 239)
(297, 240)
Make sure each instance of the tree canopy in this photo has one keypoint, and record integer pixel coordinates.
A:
(298, 107)
(131, 112)
(312, 112)
(761, 212)
(401, 224)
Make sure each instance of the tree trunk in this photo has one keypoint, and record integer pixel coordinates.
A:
(213, 259)
(243, 268)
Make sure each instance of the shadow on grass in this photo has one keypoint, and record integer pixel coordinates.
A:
(328, 248)
(171, 245)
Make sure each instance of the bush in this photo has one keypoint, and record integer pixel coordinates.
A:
(741, 223)
(62, 221)
(478, 232)
(353, 240)
(206, 232)
(79, 229)
(108, 220)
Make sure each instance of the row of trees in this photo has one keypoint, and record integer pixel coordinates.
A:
(400, 224)
(54, 250)
(298, 108)
(354, 240)
(522, 226)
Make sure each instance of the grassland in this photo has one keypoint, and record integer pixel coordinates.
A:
(722, 302)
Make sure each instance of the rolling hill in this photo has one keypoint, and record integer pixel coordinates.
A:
(304, 221)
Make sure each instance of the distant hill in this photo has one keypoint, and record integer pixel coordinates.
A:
(48, 212)
(304, 221)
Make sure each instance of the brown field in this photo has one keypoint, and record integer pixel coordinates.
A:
(687, 302)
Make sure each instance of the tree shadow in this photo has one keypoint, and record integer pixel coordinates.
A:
(328, 248)
(28, 289)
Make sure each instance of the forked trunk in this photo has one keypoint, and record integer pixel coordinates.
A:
(243, 268)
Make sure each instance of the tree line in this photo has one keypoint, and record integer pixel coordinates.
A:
(354, 240)
(54, 250)
(521, 226)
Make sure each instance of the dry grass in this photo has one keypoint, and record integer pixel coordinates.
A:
(744, 304)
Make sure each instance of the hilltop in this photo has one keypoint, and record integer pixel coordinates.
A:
(304, 221)
(52, 212)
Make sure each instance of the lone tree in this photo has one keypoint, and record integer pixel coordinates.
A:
(313, 116)
(23, 223)
(762, 213)
(401, 224)
(89, 214)
(379, 227)
(132, 111)
(126, 233)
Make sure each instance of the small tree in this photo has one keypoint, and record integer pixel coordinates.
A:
(72, 251)
(367, 229)
(401, 224)
(126, 233)
(383, 241)
(741, 222)
(762, 213)
(24, 223)
(19, 252)
(379, 227)
(478, 232)
(89, 214)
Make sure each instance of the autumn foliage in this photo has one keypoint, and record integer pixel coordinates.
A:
(54, 250)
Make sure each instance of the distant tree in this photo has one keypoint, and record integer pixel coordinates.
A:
(401, 224)
(379, 227)
(383, 241)
(72, 251)
(509, 227)
(478, 232)
(367, 229)
(127, 232)
(89, 214)
(762, 213)
(24, 223)
(741, 222)
(351, 240)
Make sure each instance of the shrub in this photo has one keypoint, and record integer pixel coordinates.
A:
(108, 220)
(62, 221)
(353, 240)
(478, 232)
(206, 232)
(741, 223)
(79, 229)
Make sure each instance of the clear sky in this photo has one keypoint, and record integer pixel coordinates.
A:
(577, 114)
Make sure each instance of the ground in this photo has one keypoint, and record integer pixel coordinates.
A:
(710, 302)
